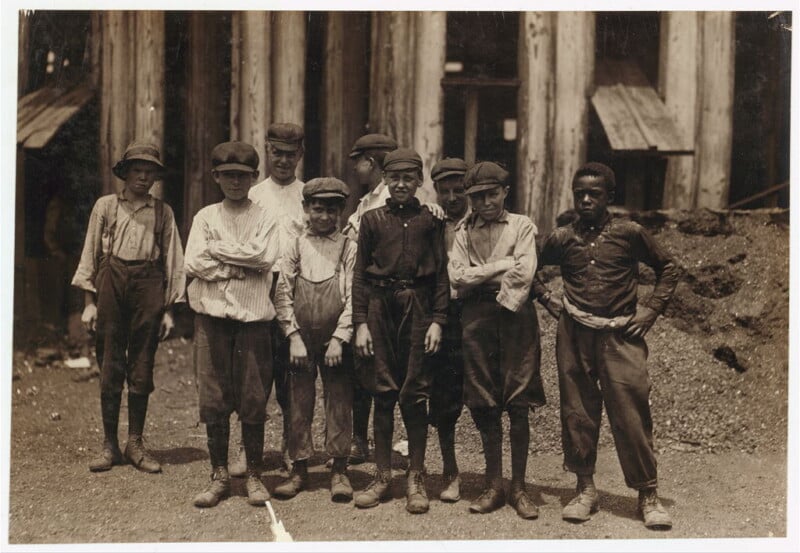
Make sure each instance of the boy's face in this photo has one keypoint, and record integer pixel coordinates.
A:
(323, 215)
(489, 204)
(140, 176)
(402, 184)
(591, 197)
(452, 196)
(283, 163)
(362, 168)
(235, 184)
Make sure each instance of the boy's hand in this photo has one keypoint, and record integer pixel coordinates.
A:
(298, 354)
(436, 210)
(333, 355)
(167, 324)
(433, 338)
(641, 322)
(89, 317)
(364, 341)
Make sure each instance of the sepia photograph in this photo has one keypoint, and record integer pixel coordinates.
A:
(341, 279)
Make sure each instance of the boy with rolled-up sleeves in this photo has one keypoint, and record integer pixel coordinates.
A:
(491, 266)
(230, 252)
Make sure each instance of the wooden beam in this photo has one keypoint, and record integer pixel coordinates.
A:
(677, 78)
(24, 47)
(471, 108)
(150, 90)
(535, 110)
(715, 126)
(288, 76)
(95, 48)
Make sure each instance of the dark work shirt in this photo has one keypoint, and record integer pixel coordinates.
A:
(403, 242)
(600, 266)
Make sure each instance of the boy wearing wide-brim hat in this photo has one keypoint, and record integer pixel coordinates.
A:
(315, 313)
(400, 297)
(600, 347)
(230, 252)
(491, 266)
(131, 270)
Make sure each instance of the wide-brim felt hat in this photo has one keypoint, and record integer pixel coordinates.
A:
(137, 151)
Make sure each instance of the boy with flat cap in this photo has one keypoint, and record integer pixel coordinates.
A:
(600, 347)
(315, 313)
(447, 386)
(131, 271)
(400, 297)
(230, 252)
(491, 266)
(281, 196)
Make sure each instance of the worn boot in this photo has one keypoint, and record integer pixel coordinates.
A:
(297, 481)
(110, 456)
(219, 489)
(341, 489)
(257, 494)
(139, 457)
(585, 503)
(491, 499)
(376, 491)
(452, 490)
(522, 502)
(416, 495)
(654, 514)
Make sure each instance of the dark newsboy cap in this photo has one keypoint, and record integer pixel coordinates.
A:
(325, 187)
(447, 167)
(234, 156)
(141, 151)
(484, 176)
(285, 136)
(373, 142)
(401, 160)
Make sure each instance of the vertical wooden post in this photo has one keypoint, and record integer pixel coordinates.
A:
(470, 124)
(288, 76)
(205, 116)
(148, 39)
(253, 105)
(677, 79)
(715, 124)
(23, 57)
(535, 113)
(95, 48)
(380, 48)
(574, 83)
(428, 131)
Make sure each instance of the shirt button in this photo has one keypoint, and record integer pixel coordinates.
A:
(592, 262)
(612, 324)
(592, 244)
(405, 224)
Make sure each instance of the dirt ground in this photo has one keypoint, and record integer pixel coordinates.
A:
(719, 366)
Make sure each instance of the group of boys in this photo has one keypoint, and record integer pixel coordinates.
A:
(428, 307)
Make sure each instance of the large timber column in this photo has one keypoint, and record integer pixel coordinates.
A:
(288, 75)
(574, 82)
(677, 79)
(150, 92)
(535, 112)
(251, 98)
(205, 115)
(715, 120)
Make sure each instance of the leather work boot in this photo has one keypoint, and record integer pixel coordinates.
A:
(452, 491)
(297, 480)
(139, 457)
(110, 456)
(239, 467)
(359, 451)
(582, 506)
(523, 504)
(219, 488)
(654, 514)
(341, 489)
(416, 495)
(490, 500)
(257, 494)
(376, 491)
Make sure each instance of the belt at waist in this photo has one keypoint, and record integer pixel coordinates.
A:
(482, 293)
(400, 284)
(131, 262)
(595, 321)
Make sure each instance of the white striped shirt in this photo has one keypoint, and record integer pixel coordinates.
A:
(230, 254)
(284, 203)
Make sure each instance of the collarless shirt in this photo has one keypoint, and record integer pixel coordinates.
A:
(480, 247)
(284, 203)
(600, 266)
(369, 201)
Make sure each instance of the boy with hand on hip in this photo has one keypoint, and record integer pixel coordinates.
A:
(314, 310)
(491, 266)
(230, 252)
(400, 298)
(600, 347)
(131, 270)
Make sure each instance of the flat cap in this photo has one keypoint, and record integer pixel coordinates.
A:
(325, 187)
(234, 156)
(483, 176)
(285, 136)
(402, 159)
(373, 142)
(142, 151)
(447, 167)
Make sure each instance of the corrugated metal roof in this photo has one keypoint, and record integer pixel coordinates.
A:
(42, 112)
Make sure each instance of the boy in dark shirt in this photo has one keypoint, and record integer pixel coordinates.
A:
(600, 346)
(400, 298)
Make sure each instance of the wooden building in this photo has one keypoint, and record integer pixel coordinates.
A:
(666, 98)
